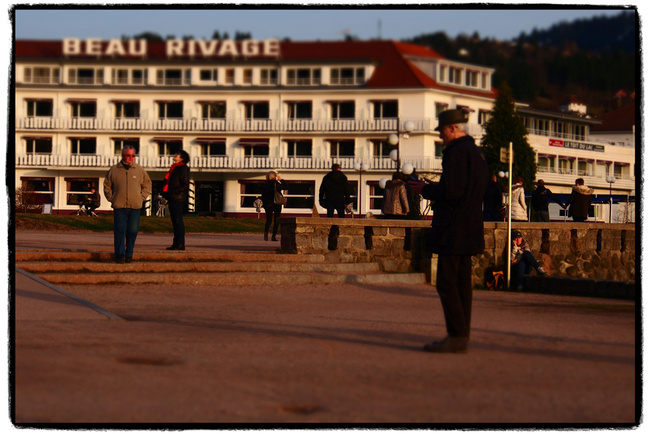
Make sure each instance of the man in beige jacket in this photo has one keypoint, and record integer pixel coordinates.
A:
(126, 187)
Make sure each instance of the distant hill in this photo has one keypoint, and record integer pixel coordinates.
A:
(592, 59)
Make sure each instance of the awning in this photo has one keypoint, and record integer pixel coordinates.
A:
(211, 140)
(253, 142)
(167, 139)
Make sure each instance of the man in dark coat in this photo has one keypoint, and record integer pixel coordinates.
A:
(540, 199)
(457, 226)
(334, 192)
(493, 201)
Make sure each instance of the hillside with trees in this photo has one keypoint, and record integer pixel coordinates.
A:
(593, 59)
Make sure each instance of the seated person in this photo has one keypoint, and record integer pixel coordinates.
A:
(522, 261)
(92, 202)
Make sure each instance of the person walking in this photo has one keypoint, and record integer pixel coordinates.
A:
(395, 204)
(579, 202)
(126, 187)
(493, 201)
(457, 226)
(273, 202)
(175, 191)
(522, 261)
(540, 201)
(334, 193)
(519, 209)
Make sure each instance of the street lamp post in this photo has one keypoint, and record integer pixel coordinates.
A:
(610, 180)
(393, 139)
(360, 167)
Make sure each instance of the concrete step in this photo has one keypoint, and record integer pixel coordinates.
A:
(233, 278)
(197, 267)
(171, 256)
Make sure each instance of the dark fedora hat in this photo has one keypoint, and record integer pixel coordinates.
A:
(449, 117)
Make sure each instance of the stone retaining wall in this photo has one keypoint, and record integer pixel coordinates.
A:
(576, 250)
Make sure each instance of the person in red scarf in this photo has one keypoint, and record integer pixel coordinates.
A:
(175, 191)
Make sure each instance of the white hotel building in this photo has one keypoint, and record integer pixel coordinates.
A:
(243, 108)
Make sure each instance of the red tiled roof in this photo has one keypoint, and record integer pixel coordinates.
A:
(622, 119)
(393, 68)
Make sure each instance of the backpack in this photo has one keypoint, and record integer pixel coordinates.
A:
(497, 282)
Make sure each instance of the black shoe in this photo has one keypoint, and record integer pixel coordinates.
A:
(119, 259)
(128, 260)
(274, 239)
(448, 345)
(266, 237)
(181, 247)
(171, 248)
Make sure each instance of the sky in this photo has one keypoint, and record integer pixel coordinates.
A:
(332, 22)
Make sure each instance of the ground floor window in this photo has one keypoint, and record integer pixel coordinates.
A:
(78, 189)
(33, 192)
(376, 195)
(299, 194)
(209, 196)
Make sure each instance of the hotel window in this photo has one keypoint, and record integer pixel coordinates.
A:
(250, 191)
(86, 76)
(268, 76)
(84, 109)
(485, 81)
(304, 76)
(127, 109)
(347, 76)
(437, 151)
(83, 146)
(41, 75)
(299, 149)
(300, 194)
(471, 78)
(120, 142)
(342, 109)
(484, 116)
(169, 147)
(546, 164)
(40, 107)
(566, 166)
(585, 168)
(230, 76)
(78, 189)
(385, 109)
(255, 148)
(455, 75)
(381, 149)
(170, 109)
(341, 148)
(376, 195)
(129, 76)
(212, 147)
(248, 76)
(299, 110)
(256, 110)
(441, 107)
(443, 73)
(38, 145)
(173, 77)
(559, 129)
(213, 110)
(37, 191)
(209, 75)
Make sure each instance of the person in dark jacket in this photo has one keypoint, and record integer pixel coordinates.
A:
(273, 210)
(92, 202)
(175, 191)
(334, 193)
(540, 200)
(395, 204)
(457, 226)
(493, 201)
(579, 202)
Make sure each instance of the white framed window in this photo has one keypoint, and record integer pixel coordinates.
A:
(83, 145)
(341, 148)
(268, 76)
(342, 109)
(248, 76)
(86, 76)
(299, 109)
(127, 109)
(213, 110)
(170, 109)
(84, 109)
(38, 145)
(173, 76)
(41, 75)
(209, 75)
(347, 76)
(256, 110)
(128, 76)
(230, 76)
(299, 149)
(120, 142)
(304, 76)
(386, 109)
(40, 108)
(169, 147)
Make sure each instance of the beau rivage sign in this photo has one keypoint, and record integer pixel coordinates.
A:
(173, 47)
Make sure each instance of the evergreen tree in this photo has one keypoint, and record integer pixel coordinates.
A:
(503, 127)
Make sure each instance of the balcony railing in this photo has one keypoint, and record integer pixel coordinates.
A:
(225, 163)
(229, 125)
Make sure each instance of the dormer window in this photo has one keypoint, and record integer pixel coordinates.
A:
(303, 76)
(347, 76)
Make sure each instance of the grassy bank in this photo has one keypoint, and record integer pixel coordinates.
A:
(147, 224)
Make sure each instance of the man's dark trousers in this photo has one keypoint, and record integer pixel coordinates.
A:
(454, 285)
